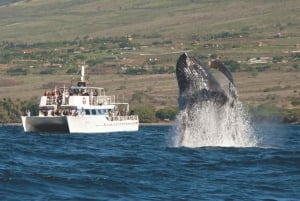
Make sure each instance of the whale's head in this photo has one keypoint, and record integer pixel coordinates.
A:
(197, 83)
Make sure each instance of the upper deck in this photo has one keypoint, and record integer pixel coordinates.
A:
(77, 96)
(80, 97)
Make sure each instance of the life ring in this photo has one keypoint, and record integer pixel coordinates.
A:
(83, 100)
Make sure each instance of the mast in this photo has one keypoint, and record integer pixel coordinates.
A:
(82, 83)
(82, 73)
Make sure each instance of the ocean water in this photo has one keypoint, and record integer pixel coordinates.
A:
(145, 166)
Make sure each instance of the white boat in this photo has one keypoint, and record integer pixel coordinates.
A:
(80, 109)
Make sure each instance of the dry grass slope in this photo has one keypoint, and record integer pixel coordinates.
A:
(43, 20)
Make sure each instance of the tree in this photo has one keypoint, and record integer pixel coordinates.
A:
(266, 113)
(166, 113)
(277, 59)
(146, 113)
(17, 71)
(232, 65)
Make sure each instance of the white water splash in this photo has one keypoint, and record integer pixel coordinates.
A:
(211, 125)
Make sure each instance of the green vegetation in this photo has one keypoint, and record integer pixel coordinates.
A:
(291, 116)
(270, 113)
(168, 113)
(146, 113)
(266, 113)
(233, 66)
(11, 110)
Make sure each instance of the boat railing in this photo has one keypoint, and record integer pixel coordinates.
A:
(51, 100)
(123, 118)
(63, 99)
(103, 100)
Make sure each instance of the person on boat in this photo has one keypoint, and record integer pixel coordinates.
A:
(131, 112)
(59, 100)
(57, 112)
(28, 113)
(25, 113)
(75, 113)
(86, 93)
(66, 98)
(123, 112)
(82, 112)
(70, 92)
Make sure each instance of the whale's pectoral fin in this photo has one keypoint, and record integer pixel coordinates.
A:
(222, 68)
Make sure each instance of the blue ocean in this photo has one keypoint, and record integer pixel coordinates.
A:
(144, 166)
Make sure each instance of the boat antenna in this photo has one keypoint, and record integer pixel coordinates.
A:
(82, 74)
(82, 83)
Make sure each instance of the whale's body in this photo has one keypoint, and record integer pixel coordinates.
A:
(198, 85)
(209, 111)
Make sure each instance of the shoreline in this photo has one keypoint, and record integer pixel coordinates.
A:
(11, 124)
(141, 124)
(158, 124)
(171, 123)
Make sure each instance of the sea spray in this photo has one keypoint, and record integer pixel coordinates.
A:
(208, 124)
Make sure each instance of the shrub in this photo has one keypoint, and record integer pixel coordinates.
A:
(232, 65)
(146, 113)
(277, 59)
(166, 113)
(266, 113)
(47, 72)
(10, 110)
(291, 116)
(136, 71)
(295, 102)
(17, 71)
(72, 70)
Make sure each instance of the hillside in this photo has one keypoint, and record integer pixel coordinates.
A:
(43, 20)
(131, 47)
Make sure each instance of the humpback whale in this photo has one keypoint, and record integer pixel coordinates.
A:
(209, 111)
(197, 84)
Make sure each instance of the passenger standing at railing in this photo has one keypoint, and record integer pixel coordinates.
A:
(95, 93)
(82, 112)
(66, 98)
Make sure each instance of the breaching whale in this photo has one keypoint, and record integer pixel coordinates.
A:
(209, 111)
(197, 84)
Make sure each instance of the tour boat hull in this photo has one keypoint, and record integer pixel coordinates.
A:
(78, 124)
(45, 124)
(100, 124)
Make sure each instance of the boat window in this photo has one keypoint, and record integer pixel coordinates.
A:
(94, 112)
(105, 111)
(99, 112)
(87, 112)
(46, 108)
